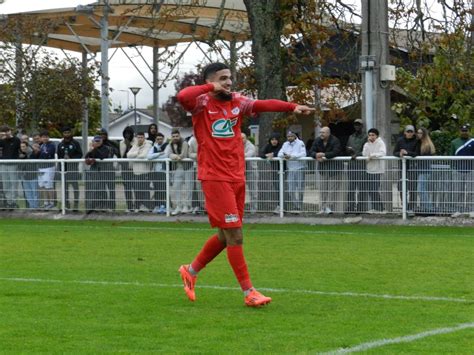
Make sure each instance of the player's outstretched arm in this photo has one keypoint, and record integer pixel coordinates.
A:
(187, 97)
(280, 106)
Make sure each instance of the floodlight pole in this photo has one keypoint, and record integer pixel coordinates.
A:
(135, 91)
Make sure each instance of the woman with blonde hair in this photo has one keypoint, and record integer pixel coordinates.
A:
(425, 147)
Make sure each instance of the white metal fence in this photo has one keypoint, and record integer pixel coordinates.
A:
(423, 185)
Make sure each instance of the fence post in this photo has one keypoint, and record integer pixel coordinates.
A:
(404, 188)
(63, 187)
(281, 190)
(168, 200)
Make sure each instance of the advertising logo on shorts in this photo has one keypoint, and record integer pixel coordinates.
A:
(222, 128)
(231, 218)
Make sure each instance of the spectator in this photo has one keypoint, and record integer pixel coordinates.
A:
(177, 150)
(47, 171)
(141, 172)
(463, 170)
(109, 175)
(407, 146)
(126, 169)
(69, 148)
(152, 132)
(29, 174)
(272, 180)
(292, 150)
(425, 147)
(309, 143)
(374, 149)
(325, 148)
(10, 146)
(197, 195)
(97, 195)
(251, 172)
(37, 139)
(158, 175)
(356, 199)
(25, 138)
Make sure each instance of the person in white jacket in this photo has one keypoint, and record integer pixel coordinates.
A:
(251, 173)
(177, 150)
(292, 150)
(141, 172)
(374, 149)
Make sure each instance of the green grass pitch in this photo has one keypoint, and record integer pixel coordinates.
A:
(92, 287)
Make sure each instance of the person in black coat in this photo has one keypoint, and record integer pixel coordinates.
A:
(269, 179)
(96, 184)
(407, 146)
(69, 148)
(325, 148)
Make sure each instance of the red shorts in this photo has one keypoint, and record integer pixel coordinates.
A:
(225, 202)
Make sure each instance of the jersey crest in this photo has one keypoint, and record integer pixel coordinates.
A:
(223, 128)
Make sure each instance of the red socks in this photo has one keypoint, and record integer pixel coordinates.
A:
(209, 251)
(235, 255)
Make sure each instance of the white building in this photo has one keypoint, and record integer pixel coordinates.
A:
(118, 122)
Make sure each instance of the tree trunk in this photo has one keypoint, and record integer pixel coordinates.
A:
(266, 27)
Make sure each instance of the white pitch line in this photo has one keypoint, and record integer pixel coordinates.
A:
(398, 340)
(276, 290)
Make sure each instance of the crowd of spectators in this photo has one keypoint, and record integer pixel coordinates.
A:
(144, 181)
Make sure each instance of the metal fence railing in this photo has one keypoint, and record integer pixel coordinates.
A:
(401, 187)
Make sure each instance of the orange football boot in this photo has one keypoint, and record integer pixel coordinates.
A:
(256, 299)
(189, 281)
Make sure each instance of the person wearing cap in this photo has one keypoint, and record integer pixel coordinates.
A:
(356, 174)
(291, 151)
(407, 146)
(463, 180)
(10, 149)
(97, 195)
(271, 171)
(324, 149)
(69, 148)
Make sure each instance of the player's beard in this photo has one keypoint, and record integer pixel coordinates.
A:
(224, 96)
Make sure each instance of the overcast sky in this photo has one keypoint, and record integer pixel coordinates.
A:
(122, 73)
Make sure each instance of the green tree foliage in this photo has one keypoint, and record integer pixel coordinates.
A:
(174, 110)
(441, 93)
(40, 90)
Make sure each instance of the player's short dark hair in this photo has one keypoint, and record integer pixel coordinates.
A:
(159, 134)
(374, 130)
(175, 131)
(141, 133)
(212, 68)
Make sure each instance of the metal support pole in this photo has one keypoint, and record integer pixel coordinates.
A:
(369, 99)
(85, 109)
(404, 188)
(168, 183)
(63, 187)
(281, 181)
(156, 94)
(104, 65)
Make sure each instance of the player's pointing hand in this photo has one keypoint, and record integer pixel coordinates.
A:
(303, 109)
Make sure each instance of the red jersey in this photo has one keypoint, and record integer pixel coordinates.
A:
(217, 128)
